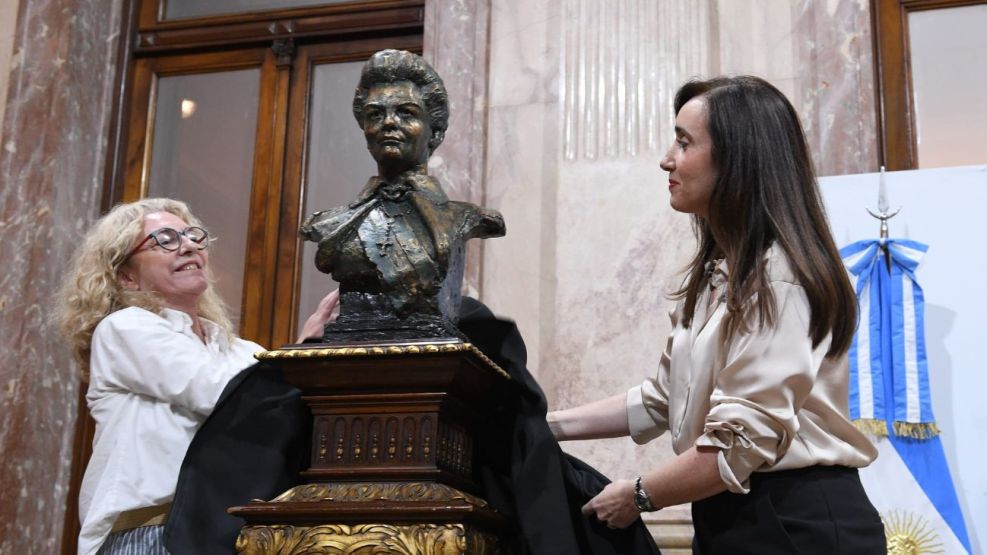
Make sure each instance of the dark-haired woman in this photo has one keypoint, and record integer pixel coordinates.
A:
(752, 385)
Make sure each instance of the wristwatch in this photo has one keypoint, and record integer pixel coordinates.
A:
(641, 499)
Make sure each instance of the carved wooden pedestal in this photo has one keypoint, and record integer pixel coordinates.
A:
(392, 454)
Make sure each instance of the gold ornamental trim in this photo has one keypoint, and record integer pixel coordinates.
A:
(361, 539)
(383, 350)
(377, 491)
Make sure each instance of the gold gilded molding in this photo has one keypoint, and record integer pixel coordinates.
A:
(344, 352)
(360, 539)
(377, 491)
(487, 360)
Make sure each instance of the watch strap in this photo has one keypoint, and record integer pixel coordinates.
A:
(641, 499)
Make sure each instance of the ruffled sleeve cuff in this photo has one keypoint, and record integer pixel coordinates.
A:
(644, 422)
(738, 456)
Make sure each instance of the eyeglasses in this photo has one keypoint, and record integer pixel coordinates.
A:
(170, 240)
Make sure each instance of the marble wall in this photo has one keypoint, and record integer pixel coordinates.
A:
(51, 168)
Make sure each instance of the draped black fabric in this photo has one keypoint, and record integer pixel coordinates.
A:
(543, 488)
(254, 445)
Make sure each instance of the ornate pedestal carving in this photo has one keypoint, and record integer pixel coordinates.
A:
(366, 539)
(392, 453)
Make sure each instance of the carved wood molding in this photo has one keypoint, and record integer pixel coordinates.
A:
(284, 50)
(377, 491)
(152, 13)
(246, 29)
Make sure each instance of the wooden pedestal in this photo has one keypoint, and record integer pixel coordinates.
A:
(392, 453)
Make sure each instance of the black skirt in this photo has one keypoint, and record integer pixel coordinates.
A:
(820, 509)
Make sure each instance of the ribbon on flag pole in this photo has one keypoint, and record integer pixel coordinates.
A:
(889, 373)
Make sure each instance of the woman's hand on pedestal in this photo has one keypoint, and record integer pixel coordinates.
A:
(316, 323)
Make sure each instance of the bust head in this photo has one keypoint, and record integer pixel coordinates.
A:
(402, 106)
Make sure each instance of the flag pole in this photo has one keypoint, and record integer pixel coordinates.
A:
(883, 215)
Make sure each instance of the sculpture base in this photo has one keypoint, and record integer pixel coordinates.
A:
(367, 539)
(347, 331)
(393, 431)
(371, 317)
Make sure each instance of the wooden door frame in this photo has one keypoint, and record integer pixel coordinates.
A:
(897, 137)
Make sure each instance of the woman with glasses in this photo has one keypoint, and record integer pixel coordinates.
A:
(157, 348)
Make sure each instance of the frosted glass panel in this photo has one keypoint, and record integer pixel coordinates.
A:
(338, 164)
(202, 153)
(181, 9)
(949, 83)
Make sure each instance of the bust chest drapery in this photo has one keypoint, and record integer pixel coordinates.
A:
(403, 240)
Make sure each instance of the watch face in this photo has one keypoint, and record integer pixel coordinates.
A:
(641, 498)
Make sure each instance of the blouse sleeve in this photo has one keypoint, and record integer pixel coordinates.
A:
(143, 354)
(768, 373)
(647, 404)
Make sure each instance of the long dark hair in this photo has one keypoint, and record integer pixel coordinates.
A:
(765, 193)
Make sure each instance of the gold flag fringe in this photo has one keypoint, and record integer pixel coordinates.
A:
(872, 426)
(916, 430)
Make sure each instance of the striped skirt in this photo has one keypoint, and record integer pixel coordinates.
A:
(146, 540)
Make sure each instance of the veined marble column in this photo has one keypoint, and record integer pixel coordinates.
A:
(51, 167)
(620, 246)
(836, 91)
(819, 54)
(456, 43)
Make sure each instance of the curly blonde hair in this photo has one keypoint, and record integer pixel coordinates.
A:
(91, 291)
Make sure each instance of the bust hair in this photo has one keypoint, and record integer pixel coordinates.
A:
(390, 66)
(91, 290)
(765, 193)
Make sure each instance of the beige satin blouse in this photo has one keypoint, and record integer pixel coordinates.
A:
(766, 399)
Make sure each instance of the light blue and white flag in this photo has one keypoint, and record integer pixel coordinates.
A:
(909, 484)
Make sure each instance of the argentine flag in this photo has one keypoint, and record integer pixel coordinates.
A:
(909, 483)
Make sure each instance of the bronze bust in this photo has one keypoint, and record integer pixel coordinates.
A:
(398, 250)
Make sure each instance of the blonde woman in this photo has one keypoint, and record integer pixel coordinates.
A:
(157, 348)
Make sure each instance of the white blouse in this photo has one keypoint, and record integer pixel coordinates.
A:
(766, 399)
(152, 384)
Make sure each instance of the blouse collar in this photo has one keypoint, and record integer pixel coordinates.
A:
(182, 323)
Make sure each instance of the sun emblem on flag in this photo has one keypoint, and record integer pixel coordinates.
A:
(909, 534)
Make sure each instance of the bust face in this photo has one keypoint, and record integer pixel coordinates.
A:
(396, 126)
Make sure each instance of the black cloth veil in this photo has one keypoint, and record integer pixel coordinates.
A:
(254, 444)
